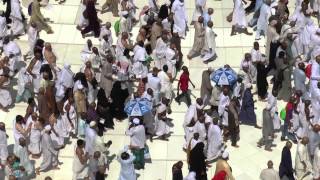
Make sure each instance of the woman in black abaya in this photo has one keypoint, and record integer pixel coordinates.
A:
(262, 83)
(197, 162)
(103, 110)
(118, 96)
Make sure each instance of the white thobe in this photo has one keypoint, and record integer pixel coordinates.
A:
(137, 136)
(201, 129)
(239, 15)
(160, 52)
(83, 22)
(17, 27)
(22, 154)
(12, 48)
(190, 114)
(180, 18)
(273, 108)
(224, 101)
(139, 70)
(140, 53)
(90, 138)
(32, 38)
(302, 157)
(3, 147)
(162, 127)
(199, 9)
(3, 29)
(127, 171)
(262, 23)
(5, 98)
(72, 116)
(49, 154)
(166, 85)
(171, 61)
(214, 142)
(34, 147)
(124, 25)
(209, 49)
(80, 171)
(305, 37)
(316, 163)
(269, 174)
(155, 84)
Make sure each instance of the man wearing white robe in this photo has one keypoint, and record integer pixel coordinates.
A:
(262, 24)
(171, 59)
(316, 163)
(179, 17)
(80, 162)
(49, 154)
(90, 138)
(223, 103)
(305, 36)
(160, 51)
(215, 141)
(208, 52)
(22, 154)
(124, 22)
(272, 107)
(166, 83)
(162, 129)
(269, 173)
(125, 158)
(192, 113)
(199, 9)
(17, 27)
(303, 165)
(13, 51)
(3, 145)
(65, 81)
(33, 36)
(3, 29)
(154, 83)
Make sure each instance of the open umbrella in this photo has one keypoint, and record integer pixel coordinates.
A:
(224, 76)
(137, 107)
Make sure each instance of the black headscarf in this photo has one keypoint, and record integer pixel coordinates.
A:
(198, 160)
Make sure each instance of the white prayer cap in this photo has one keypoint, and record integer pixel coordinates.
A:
(47, 128)
(136, 121)
(92, 124)
(124, 13)
(225, 155)
(80, 86)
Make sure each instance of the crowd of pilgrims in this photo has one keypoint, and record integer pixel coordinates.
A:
(82, 105)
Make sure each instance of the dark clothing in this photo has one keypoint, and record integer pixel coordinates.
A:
(272, 55)
(163, 12)
(262, 83)
(247, 115)
(285, 168)
(103, 109)
(118, 97)
(100, 176)
(185, 95)
(92, 16)
(251, 7)
(233, 128)
(8, 10)
(177, 174)
(197, 162)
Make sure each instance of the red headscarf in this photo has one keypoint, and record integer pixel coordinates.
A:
(220, 175)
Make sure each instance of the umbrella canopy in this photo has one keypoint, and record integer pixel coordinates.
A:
(224, 76)
(137, 107)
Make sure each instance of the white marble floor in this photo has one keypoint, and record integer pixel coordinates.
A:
(246, 161)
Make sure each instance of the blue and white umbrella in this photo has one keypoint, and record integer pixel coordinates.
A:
(224, 76)
(137, 107)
